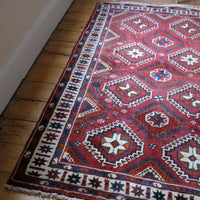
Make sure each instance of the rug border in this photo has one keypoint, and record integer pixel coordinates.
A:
(39, 192)
(34, 191)
(153, 4)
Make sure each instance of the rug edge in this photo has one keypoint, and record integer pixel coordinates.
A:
(153, 4)
(27, 142)
(38, 192)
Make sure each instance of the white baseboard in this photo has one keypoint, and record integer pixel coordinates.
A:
(22, 58)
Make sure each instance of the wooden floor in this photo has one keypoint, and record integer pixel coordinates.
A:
(23, 111)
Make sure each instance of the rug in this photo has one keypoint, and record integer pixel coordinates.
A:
(123, 121)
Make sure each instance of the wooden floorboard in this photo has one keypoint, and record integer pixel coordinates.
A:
(15, 131)
(24, 109)
(66, 36)
(46, 74)
(33, 90)
(51, 59)
(71, 26)
(59, 47)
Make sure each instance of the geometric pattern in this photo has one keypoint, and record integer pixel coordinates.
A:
(165, 18)
(186, 163)
(186, 28)
(161, 75)
(112, 35)
(118, 144)
(186, 59)
(157, 119)
(128, 91)
(134, 53)
(162, 41)
(140, 24)
(154, 120)
(104, 66)
(150, 170)
(90, 108)
(123, 120)
(186, 99)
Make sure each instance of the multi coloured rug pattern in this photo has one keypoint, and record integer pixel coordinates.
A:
(123, 121)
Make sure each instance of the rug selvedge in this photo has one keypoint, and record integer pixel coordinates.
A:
(123, 122)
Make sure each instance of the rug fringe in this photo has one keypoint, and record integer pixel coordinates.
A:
(158, 5)
(37, 192)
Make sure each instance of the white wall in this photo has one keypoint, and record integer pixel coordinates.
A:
(16, 18)
(25, 26)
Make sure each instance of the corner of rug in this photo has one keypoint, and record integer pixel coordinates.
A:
(39, 193)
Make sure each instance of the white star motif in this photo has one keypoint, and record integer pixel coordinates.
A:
(135, 53)
(189, 59)
(114, 143)
(191, 157)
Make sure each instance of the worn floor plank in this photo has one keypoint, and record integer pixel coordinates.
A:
(44, 74)
(71, 26)
(15, 131)
(35, 90)
(23, 109)
(66, 36)
(51, 59)
(9, 155)
(59, 47)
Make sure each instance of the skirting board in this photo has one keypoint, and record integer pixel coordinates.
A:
(22, 58)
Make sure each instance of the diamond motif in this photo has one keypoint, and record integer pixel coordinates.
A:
(186, 59)
(115, 139)
(186, 99)
(161, 75)
(134, 54)
(157, 120)
(186, 28)
(183, 156)
(140, 24)
(162, 41)
(127, 91)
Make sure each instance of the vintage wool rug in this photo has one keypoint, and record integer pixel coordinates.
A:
(124, 120)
